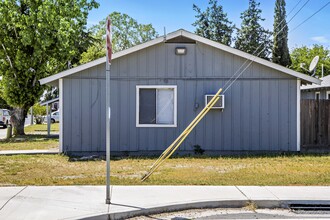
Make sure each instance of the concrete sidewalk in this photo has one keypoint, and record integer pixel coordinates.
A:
(29, 152)
(88, 202)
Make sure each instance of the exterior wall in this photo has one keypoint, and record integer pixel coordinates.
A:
(310, 94)
(260, 108)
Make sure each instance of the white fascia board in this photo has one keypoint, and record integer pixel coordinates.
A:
(114, 56)
(251, 57)
(71, 71)
(49, 102)
(61, 101)
(298, 114)
(311, 87)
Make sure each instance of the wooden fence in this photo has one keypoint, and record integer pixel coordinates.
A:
(315, 123)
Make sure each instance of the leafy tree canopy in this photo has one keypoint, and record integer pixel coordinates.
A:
(306, 54)
(213, 23)
(252, 37)
(126, 32)
(3, 104)
(37, 39)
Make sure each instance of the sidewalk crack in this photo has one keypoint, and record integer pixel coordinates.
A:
(272, 193)
(12, 197)
(243, 193)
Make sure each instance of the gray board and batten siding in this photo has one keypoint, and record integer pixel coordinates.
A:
(311, 93)
(260, 108)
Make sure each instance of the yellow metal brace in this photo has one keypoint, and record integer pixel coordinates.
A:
(175, 145)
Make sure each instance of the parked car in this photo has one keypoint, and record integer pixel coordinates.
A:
(54, 117)
(4, 117)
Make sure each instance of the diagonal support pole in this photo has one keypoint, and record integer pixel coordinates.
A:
(176, 144)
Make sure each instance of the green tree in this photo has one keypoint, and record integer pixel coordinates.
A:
(252, 37)
(37, 39)
(50, 93)
(213, 23)
(126, 33)
(280, 51)
(306, 54)
(39, 112)
(3, 104)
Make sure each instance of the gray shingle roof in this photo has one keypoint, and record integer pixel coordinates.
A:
(325, 83)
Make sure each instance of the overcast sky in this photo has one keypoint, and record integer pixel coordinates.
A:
(179, 14)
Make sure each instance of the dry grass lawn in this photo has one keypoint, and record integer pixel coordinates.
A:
(42, 128)
(29, 142)
(275, 170)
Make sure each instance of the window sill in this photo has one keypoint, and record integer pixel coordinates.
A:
(155, 126)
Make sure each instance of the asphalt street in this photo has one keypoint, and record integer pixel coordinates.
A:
(3, 131)
(242, 213)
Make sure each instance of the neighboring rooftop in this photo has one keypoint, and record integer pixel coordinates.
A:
(324, 84)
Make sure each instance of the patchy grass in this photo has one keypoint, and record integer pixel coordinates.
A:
(42, 128)
(29, 142)
(263, 170)
(35, 139)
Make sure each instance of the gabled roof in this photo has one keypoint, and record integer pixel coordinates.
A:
(324, 84)
(186, 34)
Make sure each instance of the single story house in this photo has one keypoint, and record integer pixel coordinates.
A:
(316, 91)
(157, 89)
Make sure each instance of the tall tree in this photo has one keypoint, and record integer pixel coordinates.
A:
(280, 51)
(252, 37)
(213, 23)
(37, 39)
(126, 32)
(306, 54)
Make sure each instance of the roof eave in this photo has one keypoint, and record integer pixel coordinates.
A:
(195, 37)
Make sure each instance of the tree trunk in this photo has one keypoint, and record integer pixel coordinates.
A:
(18, 120)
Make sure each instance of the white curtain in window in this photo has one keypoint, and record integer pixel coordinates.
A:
(165, 106)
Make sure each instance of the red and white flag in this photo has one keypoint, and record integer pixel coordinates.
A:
(108, 40)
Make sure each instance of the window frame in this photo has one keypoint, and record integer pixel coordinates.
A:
(317, 93)
(327, 95)
(175, 109)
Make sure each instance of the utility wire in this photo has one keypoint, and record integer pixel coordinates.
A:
(311, 16)
(253, 54)
(232, 82)
(294, 7)
(265, 47)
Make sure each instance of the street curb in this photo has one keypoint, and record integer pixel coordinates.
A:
(270, 204)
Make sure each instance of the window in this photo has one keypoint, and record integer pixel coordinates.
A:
(328, 95)
(5, 113)
(156, 106)
(317, 95)
(220, 104)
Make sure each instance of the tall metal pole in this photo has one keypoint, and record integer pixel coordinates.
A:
(322, 70)
(48, 120)
(108, 110)
(31, 122)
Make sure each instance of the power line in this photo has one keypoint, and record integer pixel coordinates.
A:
(265, 48)
(233, 76)
(294, 7)
(311, 16)
(252, 60)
